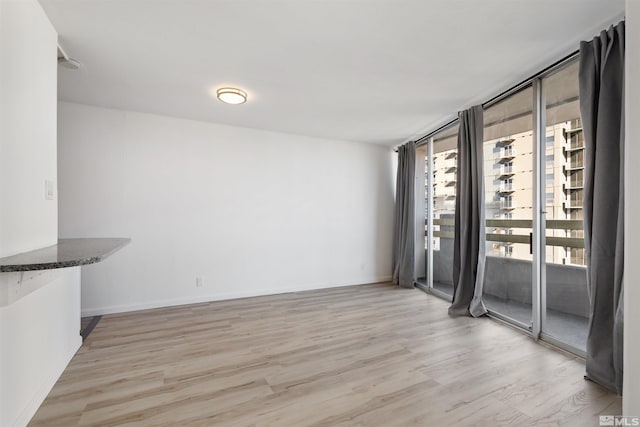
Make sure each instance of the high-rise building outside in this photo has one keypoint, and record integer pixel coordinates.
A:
(508, 171)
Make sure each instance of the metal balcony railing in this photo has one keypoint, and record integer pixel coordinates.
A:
(574, 138)
(507, 204)
(506, 188)
(448, 191)
(574, 145)
(450, 165)
(506, 170)
(507, 153)
(574, 185)
(574, 203)
(575, 165)
(571, 149)
(575, 128)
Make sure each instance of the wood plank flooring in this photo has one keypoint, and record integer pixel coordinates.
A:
(371, 355)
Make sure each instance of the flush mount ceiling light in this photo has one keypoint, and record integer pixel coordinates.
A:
(230, 95)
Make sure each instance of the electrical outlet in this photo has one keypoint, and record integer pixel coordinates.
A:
(199, 282)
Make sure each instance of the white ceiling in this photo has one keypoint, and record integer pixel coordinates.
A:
(379, 71)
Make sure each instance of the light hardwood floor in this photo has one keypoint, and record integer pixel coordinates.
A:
(372, 355)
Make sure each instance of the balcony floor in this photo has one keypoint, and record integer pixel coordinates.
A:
(567, 328)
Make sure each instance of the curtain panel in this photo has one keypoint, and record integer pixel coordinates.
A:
(601, 81)
(404, 219)
(469, 241)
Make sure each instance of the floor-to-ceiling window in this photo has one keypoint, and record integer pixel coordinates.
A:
(565, 310)
(445, 169)
(535, 275)
(441, 166)
(423, 211)
(508, 175)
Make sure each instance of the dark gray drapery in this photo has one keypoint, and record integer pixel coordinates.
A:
(602, 111)
(404, 221)
(469, 241)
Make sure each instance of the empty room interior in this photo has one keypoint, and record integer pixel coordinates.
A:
(297, 213)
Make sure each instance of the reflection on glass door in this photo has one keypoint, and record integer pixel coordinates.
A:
(565, 311)
(509, 173)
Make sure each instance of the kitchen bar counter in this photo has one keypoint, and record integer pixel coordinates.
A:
(67, 253)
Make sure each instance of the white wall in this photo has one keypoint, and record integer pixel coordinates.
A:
(631, 392)
(28, 96)
(251, 212)
(39, 334)
(39, 312)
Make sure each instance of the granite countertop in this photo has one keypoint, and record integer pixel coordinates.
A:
(67, 253)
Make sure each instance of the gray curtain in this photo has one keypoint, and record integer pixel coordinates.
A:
(602, 110)
(404, 221)
(469, 241)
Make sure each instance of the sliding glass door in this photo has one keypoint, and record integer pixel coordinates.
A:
(445, 169)
(509, 177)
(535, 276)
(565, 302)
(440, 156)
(423, 211)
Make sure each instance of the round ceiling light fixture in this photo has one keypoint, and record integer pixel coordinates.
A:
(231, 95)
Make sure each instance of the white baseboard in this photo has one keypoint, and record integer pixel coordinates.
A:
(98, 311)
(47, 384)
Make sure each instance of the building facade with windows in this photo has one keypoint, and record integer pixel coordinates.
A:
(509, 183)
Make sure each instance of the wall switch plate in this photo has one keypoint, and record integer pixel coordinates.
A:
(199, 282)
(49, 190)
